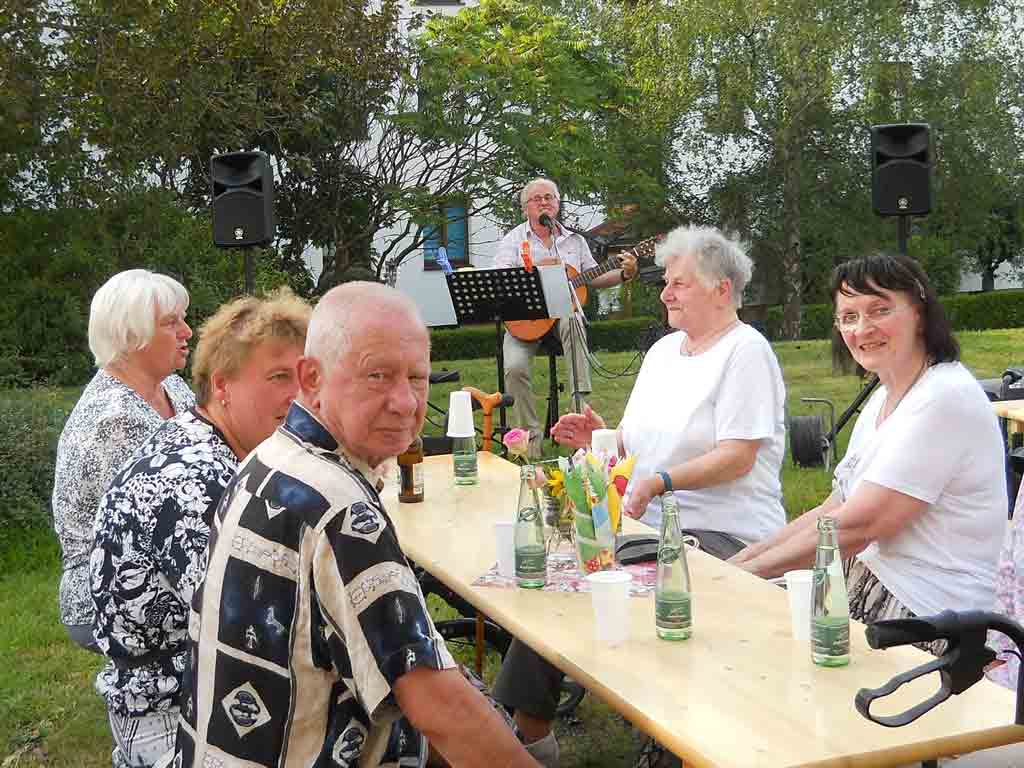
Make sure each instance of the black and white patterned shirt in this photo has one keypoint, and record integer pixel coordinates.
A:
(152, 529)
(109, 421)
(308, 615)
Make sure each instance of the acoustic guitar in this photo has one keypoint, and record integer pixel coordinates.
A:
(531, 330)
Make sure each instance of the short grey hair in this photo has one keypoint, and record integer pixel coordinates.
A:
(124, 311)
(524, 194)
(716, 257)
(339, 315)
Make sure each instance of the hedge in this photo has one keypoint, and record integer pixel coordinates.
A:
(478, 341)
(30, 425)
(966, 311)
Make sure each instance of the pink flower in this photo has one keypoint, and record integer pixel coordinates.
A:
(517, 441)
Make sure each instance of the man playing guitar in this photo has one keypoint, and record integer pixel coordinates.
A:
(547, 243)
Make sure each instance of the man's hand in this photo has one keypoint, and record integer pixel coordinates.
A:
(576, 429)
(628, 263)
(641, 495)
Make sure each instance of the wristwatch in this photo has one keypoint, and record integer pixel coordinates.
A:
(666, 478)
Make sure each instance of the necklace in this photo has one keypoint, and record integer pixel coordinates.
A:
(705, 343)
(920, 373)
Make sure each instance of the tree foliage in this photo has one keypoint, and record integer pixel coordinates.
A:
(502, 92)
(773, 101)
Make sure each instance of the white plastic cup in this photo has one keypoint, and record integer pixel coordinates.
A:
(798, 590)
(460, 414)
(604, 442)
(505, 543)
(609, 595)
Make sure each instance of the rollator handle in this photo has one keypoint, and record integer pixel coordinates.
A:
(961, 666)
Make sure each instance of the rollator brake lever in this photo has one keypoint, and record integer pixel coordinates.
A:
(961, 666)
(866, 696)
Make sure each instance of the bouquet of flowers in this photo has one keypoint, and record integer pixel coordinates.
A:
(595, 486)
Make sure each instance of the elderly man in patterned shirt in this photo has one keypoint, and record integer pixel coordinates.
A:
(311, 638)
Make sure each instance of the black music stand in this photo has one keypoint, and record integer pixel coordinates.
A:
(483, 295)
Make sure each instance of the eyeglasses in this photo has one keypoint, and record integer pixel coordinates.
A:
(545, 198)
(849, 321)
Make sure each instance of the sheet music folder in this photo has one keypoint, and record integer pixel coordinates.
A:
(483, 295)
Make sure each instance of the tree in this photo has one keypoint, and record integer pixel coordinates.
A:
(502, 92)
(775, 99)
(156, 89)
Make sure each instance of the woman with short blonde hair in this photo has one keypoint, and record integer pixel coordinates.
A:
(139, 338)
(153, 523)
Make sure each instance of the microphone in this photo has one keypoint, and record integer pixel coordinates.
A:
(545, 221)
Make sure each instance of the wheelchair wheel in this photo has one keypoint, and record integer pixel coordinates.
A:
(569, 698)
(807, 440)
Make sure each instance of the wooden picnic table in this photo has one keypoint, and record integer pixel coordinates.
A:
(1013, 412)
(740, 692)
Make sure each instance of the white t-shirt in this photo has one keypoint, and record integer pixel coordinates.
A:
(682, 406)
(941, 445)
(568, 246)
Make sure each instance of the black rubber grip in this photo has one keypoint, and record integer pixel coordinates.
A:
(894, 632)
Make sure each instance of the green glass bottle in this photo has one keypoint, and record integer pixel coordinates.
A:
(531, 552)
(672, 600)
(830, 606)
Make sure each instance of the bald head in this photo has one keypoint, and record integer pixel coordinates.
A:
(345, 311)
(366, 371)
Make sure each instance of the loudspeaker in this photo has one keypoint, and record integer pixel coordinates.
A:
(243, 199)
(901, 169)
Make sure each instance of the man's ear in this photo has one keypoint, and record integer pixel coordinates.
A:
(311, 377)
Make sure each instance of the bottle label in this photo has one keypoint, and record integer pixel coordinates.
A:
(417, 478)
(528, 514)
(830, 635)
(465, 466)
(531, 561)
(667, 554)
(672, 611)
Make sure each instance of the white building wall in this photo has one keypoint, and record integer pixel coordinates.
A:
(971, 281)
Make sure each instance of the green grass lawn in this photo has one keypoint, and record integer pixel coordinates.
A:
(50, 715)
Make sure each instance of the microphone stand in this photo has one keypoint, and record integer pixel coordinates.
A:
(575, 329)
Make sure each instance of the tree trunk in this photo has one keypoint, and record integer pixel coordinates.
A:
(988, 279)
(792, 282)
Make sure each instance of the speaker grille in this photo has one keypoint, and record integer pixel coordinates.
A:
(243, 199)
(901, 169)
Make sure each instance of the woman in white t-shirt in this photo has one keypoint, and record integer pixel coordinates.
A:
(706, 418)
(920, 497)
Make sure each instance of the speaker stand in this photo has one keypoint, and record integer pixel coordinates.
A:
(902, 232)
(249, 259)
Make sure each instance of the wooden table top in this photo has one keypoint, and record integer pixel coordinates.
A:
(1011, 410)
(740, 692)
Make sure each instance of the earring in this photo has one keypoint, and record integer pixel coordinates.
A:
(223, 403)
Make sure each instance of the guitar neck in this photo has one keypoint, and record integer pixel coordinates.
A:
(587, 276)
(641, 250)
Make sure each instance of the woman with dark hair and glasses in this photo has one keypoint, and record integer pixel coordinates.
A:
(920, 497)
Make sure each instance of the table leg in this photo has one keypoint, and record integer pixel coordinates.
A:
(479, 665)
